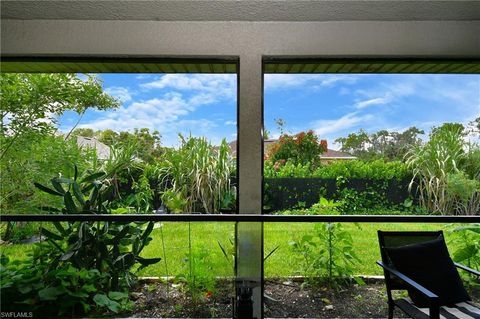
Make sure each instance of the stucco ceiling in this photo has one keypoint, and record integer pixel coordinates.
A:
(242, 10)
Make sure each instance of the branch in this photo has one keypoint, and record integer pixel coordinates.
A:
(76, 124)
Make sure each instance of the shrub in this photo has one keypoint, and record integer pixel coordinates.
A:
(289, 169)
(464, 194)
(301, 148)
(471, 163)
(377, 170)
(30, 284)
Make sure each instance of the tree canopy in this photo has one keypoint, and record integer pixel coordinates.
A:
(382, 144)
(31, 103)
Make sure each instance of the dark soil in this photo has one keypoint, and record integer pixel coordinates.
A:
(291, 300)
(159, 300)
(284, 299)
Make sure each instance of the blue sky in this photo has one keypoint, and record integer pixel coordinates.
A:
(330, 104)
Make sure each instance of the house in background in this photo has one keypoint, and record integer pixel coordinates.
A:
(103, 151)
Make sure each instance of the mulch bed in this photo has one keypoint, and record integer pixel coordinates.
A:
(284, 299)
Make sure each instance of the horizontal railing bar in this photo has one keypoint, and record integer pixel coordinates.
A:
(241, 218)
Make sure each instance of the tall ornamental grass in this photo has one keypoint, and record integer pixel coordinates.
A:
(437, 168)
(196, 175)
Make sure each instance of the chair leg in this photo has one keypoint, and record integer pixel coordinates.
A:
(391, 307)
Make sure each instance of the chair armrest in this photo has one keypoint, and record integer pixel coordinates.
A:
(410, 282)
(467, 269)
(434, 300)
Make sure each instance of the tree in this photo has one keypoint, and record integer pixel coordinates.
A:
(85, 132)
(31, 103)
(108, 137)
(456, 128)
(302, 148)
(355, 143)
(148, 143)
(474, 126)
(382, 144)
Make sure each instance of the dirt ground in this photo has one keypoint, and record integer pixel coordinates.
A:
(283, 299)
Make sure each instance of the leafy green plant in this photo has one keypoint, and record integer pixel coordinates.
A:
(66, 290)
(198, 275)
(114, 301)
(464, 194)
(471, 162)
(229, 200)
(143, 195)
(353, 201)
(467, 243)
(35, 158)
(327, 255)
(112, 248)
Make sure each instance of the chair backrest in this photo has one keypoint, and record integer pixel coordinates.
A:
(389, 239)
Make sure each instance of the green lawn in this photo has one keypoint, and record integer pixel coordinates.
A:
(206, 237)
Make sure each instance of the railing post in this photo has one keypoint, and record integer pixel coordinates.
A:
(249, 235)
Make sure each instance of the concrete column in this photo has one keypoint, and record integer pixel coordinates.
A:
(249, 236)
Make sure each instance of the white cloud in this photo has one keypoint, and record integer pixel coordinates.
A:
(121, 93)
(157, 113)
(144, 76)
(326, 127)
(170, 112)
(230, 122)
(370, 102)
(215, 85)
(277, 81)
(461, 93)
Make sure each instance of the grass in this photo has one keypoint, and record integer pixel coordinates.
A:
(283, 262)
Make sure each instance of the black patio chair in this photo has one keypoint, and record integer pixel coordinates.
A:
(419, 263)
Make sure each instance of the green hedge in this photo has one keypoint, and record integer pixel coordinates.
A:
(377, 170)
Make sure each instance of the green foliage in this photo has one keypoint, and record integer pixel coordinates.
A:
(142, 197)
(382, 144)
(301, 148)
(288, 169)
(471, 163)
(436, 169)
(32, 285)
(353, 202)
(111, 248)
(467, 242)
(36, 159)
(323, 207)
(114, 301)
(327, 255)
(198, 274)
(148, 144)
(32, 102)
(196, 176)
(464, 193)
(377, 169)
